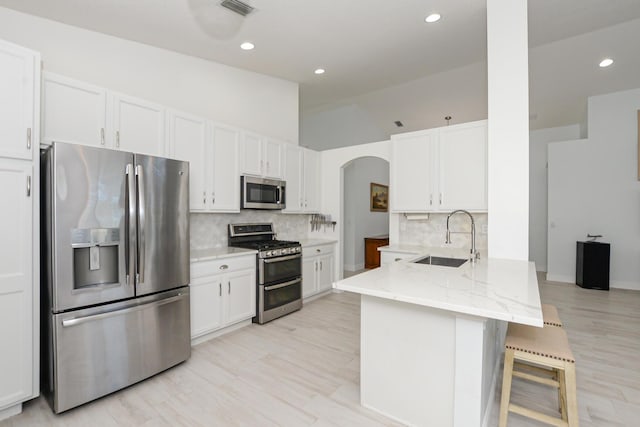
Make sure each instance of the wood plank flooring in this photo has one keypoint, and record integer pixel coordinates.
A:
(303, 370)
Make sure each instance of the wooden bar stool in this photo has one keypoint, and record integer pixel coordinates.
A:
(546, 347)
(550, 315)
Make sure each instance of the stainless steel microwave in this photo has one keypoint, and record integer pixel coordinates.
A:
(262, 193)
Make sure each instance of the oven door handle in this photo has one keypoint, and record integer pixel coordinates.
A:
(282, 285)
(282, 258)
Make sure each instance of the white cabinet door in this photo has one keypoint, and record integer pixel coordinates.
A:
(138, 126)
(309, 285)
(16, 293)
(311, 181)
(272, 157)
(293, 177)
(463, 167)
(325, 272)
(188, 141)
(17, 136)
(206, 304)
(225, 192)
(411, 180)
(73, 112)
(252, 162)
(240, 288)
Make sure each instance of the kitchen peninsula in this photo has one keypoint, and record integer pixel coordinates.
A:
(432, 336)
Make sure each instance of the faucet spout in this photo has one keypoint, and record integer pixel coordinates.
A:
(474, 253)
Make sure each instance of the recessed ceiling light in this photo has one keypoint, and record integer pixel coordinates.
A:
(247, 46)
(606, 62)
(319, 71)
(434, 17)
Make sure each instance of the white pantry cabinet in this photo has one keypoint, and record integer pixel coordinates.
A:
(317, 269)
(223, 292)
(212, 152)
(261, 156)
(77, 112)
(439, 170)
(301, 173)
(19, 227)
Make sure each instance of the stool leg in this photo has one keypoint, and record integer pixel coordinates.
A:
(506, 387)
(562, 394)
(571, 394)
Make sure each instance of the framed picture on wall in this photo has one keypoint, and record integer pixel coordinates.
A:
(379, 197)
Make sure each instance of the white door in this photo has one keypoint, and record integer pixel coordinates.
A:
(311, 181)
(309, 279)
(273, 159)
(294, 196)
(412, 163)
(138, 125)
(16, 294)
(17, 136)
(252, 162)
(206, 304)
(463, 167)
(225, 193)
(325, 272)
(73, 111)
(240, 288)
(188, 140)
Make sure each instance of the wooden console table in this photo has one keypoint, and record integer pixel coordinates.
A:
(371, 253)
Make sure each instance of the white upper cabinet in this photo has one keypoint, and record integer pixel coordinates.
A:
(73, 111)
(440, 169)
(225, 175)
(261, 156)
(188, 142)
(138, 126)
(463, 166)
(17, 85)
(301, 173)
(411, 171)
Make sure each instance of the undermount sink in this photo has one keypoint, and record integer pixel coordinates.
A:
(445, 262)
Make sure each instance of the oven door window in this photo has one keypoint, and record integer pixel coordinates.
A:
(277, 295)
(262, 193)
(275, 270)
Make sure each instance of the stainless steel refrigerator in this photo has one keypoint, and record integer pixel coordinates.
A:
(115, 270)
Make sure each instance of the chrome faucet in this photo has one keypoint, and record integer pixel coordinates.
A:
(474, 254)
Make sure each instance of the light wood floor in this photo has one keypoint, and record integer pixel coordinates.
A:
(303, 370)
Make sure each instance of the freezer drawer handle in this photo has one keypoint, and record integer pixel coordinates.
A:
(79, 320)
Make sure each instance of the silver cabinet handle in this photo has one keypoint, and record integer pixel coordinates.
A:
(118, 138)
(204, 197)
(316, 265)
(224, 267)
(229, 288)
(220, 289)
(28, 185)
(440, 198)
(318, 250)
(28, 138)
(141, 222)
(101, 136)
(213, 198)
(397, 259)
(430, 199)
(320, 265)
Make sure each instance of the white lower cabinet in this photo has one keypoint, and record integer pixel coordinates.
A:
(223, 292)
(317, 269)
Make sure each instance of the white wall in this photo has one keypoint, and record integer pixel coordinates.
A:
(332, 179)
(360, 222)
(252, 101)
(538, 140)
(594, 188)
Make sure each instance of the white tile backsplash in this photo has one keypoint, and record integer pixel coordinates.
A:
(432, 231)
(209, 230)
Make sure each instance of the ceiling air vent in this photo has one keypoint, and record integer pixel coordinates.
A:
(237, 6)
(398, 123)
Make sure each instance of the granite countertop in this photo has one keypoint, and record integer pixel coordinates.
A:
(493, 288)
(218, 253)
(315, 242)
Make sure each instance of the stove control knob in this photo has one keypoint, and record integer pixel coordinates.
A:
(269, 253)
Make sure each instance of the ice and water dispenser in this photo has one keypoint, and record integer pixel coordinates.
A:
(95, 256)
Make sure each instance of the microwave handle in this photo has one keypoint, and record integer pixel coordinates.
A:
(278, 195)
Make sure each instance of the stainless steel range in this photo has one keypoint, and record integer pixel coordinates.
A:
(279, 269)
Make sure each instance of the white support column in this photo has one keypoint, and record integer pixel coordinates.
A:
(467, 399)
(508, 133)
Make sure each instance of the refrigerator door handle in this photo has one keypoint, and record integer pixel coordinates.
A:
(130, 231)
(141, 223)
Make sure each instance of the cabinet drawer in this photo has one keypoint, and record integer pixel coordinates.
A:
(317, 250)
(224, 265)
(389, 257)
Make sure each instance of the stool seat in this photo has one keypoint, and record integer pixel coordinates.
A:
(550, 315)
(547, 342)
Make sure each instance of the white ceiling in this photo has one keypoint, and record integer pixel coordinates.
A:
(365, 45)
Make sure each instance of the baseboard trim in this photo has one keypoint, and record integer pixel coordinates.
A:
(218, 332)
(10, 411)
(613, 284)
(354, 267)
